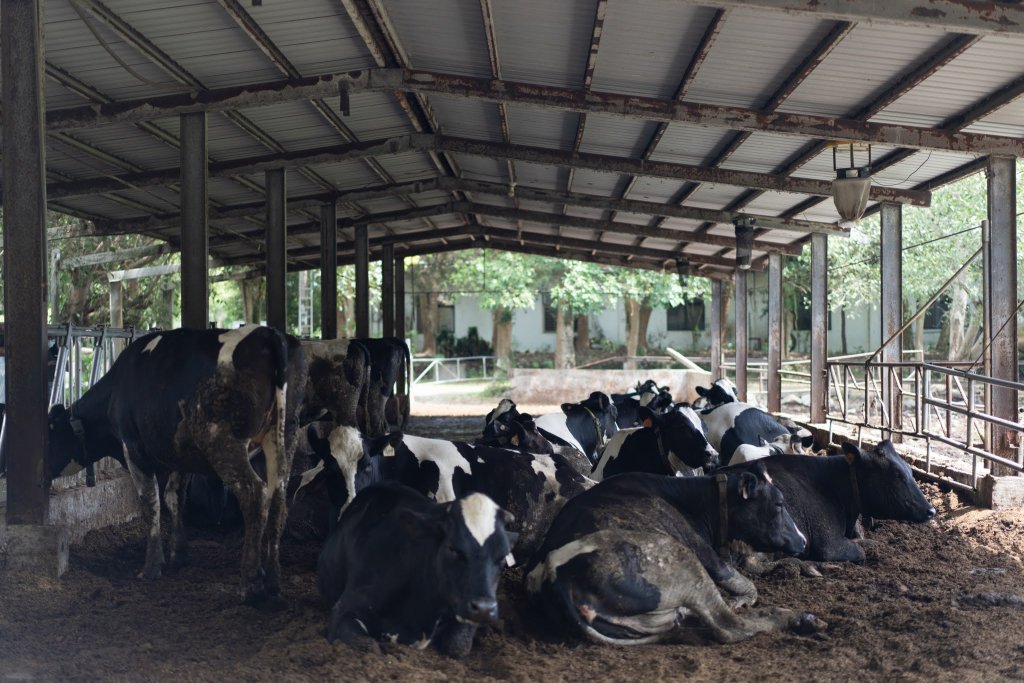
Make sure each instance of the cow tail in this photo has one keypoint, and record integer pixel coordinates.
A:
(279, 352)
(407, 404)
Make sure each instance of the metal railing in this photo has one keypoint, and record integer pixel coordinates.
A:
(444, 370)
(936, 402)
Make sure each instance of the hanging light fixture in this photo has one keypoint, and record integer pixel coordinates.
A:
(744, 240)
(683, 269)
(852, 186)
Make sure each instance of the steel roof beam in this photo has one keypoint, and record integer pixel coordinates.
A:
(959, 16)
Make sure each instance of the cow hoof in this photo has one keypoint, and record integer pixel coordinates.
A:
(807, 624)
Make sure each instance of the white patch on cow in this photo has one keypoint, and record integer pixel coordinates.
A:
(391, 637)
(728, 387)
(446, 456)
(647, 397)
(611, 451)
(545, 571)
(544, 465)
(362, 625)
(422, 643)
(720, 419)
(504, 406)
(747, 453)
(347, 449)
(480, 460)
(555, 423)
(308, 476)
(691, 415)
(229, 342)
(480, 514)
(389, 451)
(152, 343)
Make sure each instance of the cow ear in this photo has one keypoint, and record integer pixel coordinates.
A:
(602, 400)
(701, 391)
(748, 485)
(566, 407)
(507, 517)
(851, 452)
(807, 441)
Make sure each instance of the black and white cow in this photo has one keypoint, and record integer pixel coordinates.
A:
(826, 495)
(508, 428)
(721, 391)
(586, 425)
(404, 569)
(532, 486)
(733, 423)
(626, 561)
(339, 379)
(649, 394)
(669, 443)
(389, 360)
(195, 401)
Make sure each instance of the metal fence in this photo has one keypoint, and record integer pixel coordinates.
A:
(444, 370)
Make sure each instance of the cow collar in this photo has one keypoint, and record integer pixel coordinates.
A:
(602, 440)
(723, 511)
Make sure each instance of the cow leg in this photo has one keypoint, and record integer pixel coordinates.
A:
(345, 625)
(741, 589)
(277, 511)
(173, 500)
(149, 495)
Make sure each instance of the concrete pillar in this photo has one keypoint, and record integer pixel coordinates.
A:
(716, 327)
(1002, 302)
(775, 340)
(741, 333)
(195, 237)
(277, 311)
(24, 259)
(819, 327)
(328, 271)
(892, 307)
(387, 290)
(362, 263)
(400, 311)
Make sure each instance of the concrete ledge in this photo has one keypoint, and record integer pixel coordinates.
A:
(83, 508)
(38, 549)
(1001, 493)
(563, 386)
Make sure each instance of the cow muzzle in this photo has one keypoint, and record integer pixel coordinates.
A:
(481, 611)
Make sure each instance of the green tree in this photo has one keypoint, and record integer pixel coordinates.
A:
(577, 288)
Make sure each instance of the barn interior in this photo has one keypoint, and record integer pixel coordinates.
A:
(714, 138)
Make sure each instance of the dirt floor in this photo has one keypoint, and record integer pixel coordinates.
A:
(939, 602)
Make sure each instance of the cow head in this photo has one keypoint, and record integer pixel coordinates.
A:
(758, 515)
(721, 391)
(70, 441)
(470, 550)
(601, 407)
(800, 438)
(520, 433)
(505, 408)
(682, 437)
(345, 461)
(885, 484)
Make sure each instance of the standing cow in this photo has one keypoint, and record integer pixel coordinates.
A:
(339, 379)
(389, 360)
(194, 401)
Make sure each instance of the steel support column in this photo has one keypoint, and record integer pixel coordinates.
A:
(195, 235)
(892, 309)
(277, 312)
(819, 327)
(24, 259)
(741, 333)
(362, 263)
(400, 312)
(328, 271)
(717, 324)
(1003, 286)
(387, 290)
(774, 332)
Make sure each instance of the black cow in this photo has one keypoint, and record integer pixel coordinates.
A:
(732, 424)
(401, 568)
(669, 443)
(389, 359)
(586, 425)
(826, 495)
(508, 428)
(339, 379)
(624, 562)
(194, 401)
(532, 486)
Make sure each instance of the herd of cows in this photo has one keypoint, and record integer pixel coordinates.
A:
(627, 513)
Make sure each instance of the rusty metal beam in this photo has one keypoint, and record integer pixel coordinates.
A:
(960, 16)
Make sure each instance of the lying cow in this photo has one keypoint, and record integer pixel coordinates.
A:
(404, 569)
(531, 486)
(339, 379)
(733, 423)
(624, 562)
(193, 401)
(508, 428)
(721, 391)
(668, 444)
(389, 360)
(826, 496)
(586, 425)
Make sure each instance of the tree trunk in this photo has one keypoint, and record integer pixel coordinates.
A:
(582, 335)
(252, 300)
(645, 319)
(501, 338)
(632, 333)
(430, 321)
(565, 354)
(842, 330)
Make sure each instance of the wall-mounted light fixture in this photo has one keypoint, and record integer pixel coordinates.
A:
(744, 240)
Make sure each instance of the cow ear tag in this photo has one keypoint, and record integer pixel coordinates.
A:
(648, 422)
(389, 451)
(515, 440)
(510, 561)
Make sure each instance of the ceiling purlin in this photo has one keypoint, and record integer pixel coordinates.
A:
(588, 78)
(487, 17)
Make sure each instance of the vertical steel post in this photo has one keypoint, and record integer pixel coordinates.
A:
(400, 329)
(1002, 261)
(387, 290)
(277, 311)
(986, 296)
(328, 271)
(892, 309)
(716, 327)
(24, 260)
(195, 238)
(775, 265)
(741, 334)
(819, 327)
(362, 263)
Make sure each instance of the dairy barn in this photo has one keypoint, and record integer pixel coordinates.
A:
(710, 139)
